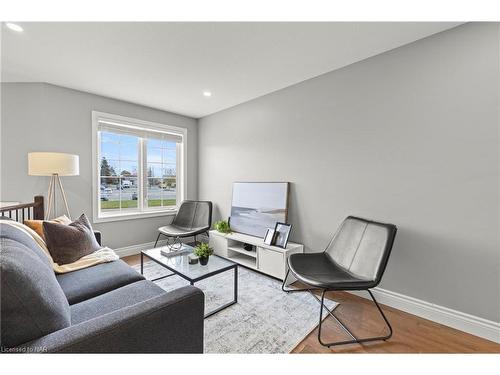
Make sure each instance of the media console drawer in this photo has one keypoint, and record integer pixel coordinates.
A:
(271, 262)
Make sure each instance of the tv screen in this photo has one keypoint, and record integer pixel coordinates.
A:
(257, 206)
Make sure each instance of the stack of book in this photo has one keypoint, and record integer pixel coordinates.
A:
(170, 251)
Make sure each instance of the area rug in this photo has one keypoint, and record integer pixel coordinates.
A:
(265, 319)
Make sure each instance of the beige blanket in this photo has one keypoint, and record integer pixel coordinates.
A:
(100, 256)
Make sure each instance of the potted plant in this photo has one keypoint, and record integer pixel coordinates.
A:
(203, 251)
(222, 226)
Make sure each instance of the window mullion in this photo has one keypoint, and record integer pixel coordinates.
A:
(139, 175)
(98, 156)
(178, 175)
(119, 173)
(142, 174)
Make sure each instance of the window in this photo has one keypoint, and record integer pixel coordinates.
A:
(138, 167)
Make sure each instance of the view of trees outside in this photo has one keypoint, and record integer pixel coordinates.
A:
(161, 173)
(119, 172)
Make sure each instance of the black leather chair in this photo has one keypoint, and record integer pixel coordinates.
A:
(355, 259)
(193, 218)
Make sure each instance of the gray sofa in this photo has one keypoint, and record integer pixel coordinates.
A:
(107, 308)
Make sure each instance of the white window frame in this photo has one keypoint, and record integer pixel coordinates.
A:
(181, 189)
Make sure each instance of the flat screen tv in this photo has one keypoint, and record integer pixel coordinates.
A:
(257, 206)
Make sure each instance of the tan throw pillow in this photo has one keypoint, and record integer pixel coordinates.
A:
(37, 225)
(68, 243)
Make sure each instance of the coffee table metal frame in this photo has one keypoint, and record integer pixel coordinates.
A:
(233, 266)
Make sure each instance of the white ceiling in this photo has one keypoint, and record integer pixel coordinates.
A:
(169, 65)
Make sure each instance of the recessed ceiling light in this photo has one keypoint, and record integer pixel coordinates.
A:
(208, 94)
(14, 27)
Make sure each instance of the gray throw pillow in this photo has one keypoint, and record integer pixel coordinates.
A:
(68, 243)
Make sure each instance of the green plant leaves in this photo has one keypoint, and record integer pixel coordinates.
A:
(222, 226)
(203, 250)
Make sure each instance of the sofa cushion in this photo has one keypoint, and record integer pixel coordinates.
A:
(127, 295)
(68, 243)
(93, 281)
(32, 302)
(17, 234)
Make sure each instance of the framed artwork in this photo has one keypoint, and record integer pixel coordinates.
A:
(282, 232)
(269, 237)
(257, 206)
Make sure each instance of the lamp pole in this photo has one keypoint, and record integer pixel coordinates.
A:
(63, 196)
(51, 194)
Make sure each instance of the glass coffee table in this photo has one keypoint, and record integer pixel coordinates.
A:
(179, 265)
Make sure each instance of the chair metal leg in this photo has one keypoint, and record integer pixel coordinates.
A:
(310, 290)
(283, 286)
(157, 238)
(382, 314)
(284, 283)
(354, 340)
(330, 312)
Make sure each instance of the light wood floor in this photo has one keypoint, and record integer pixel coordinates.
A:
(411, 333)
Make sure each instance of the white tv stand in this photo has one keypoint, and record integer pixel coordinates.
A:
(271, 260)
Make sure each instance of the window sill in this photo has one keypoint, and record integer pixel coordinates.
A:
(133, 216)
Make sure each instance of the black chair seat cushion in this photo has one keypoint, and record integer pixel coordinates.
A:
(96, 280)
(318, 270)
(117, 299)
(172, 230)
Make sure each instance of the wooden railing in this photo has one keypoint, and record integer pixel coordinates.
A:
(25, 211)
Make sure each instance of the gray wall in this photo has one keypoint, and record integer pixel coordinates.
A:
(409, 137)
(43, 117)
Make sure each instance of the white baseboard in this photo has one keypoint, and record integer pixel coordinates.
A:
(133, 249)
(136, 249)
(474, 325)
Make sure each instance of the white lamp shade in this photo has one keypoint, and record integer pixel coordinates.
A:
(49, 163)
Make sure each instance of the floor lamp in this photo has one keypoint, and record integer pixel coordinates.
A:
(55, 165)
